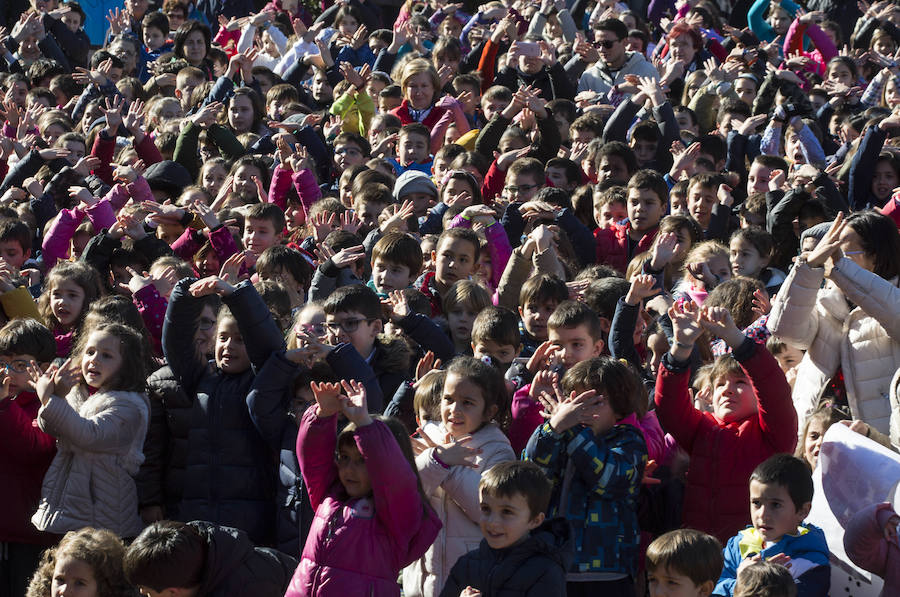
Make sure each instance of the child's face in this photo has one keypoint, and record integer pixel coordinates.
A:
(506, 519)
(720, 266)
(700, 202)
(347, 155)
(666, 582)
(789, 357)
(745, 259)
(389, 276)
(66, 301)
(645, 209)
(812, 443)
(213, 177)
(457, 187)
(76, 151)
(322, 91)
(15, 366)
(463, 407)
(773, 512)
(72, 20)
(612, 167)
(368, 213)
(758, 178)
(259, 235)
(354, 328)
(421, 202)
(501, 353)
(101, 360)
(153, 38)
(352, 472)
(454, 260)
(733, 398)
(231, 354)
(348, 25)
(574, 345)
(535, 315)
(525, 185)
(558, 177)
(644, 151)
(72, 576)
(243, 183)
(658, 345)
(412, 149)
(312, 321)
(609, 213)
(12, 253)
(240, 114)
(460, 321)
(678, 205)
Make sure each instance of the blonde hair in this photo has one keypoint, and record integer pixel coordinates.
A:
(704, 251)
(466, 293)
(417, 66)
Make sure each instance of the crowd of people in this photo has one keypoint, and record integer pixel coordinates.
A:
(444, 299)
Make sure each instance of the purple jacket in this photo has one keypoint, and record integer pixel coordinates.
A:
(358, 546)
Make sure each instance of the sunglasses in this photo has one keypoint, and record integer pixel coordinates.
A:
(348, 325)
(607, 43)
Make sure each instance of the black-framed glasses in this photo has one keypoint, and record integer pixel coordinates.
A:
(348, 326)
(522, 188)
(607, 43)
(17, 365)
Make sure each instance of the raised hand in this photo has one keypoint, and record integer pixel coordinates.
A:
(401, 213)
(686, 327)
(348, 256)
(426, 363)
(113, 114)
(718, 322)
(353, 403)
(829, 245)
(350, 222)
(211, 285)
(663, 251)
(83, 195)
(327, 398)
(231, 269)
(643, 286)
(761, 303)
(570, 412)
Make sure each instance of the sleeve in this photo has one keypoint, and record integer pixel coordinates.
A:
(152, 307)
(260, 332)
(879, 298)
(178, 336)
(56, 241)
(110, 430)
(222, 243)
(103, 149)
(19, 436)
(728, 578)
(526, 418)
(579, 234)
(428, 334)
(674, 409)
(268, 396)
(794, 317)
(862, 168)
(307, 189)
(777, 415)
(864, 539)
(187, 148)
(226, 141)
(279, 187)
(148, 151)
(621, 333)
(149, 480)
(461, 485)
(617, 126)
(18, 303)
(28, 166)
(514, 275)
(316, 442)
(73, 45)
(546, 448)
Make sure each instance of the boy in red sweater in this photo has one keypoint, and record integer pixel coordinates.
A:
(648, 196)
(753, 417)
(28, 451)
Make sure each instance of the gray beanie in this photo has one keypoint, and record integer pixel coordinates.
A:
(818, 232)
(413, 181)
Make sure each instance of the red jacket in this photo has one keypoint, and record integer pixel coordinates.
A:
(402, 112)
(724, 455)
(612, 245)
(27, 452)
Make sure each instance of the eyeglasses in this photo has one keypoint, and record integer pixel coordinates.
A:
(314, 329)
(347, 150)
(348, 326)
(18, 365)
(607, 43)
(522, 188)
(205, 324)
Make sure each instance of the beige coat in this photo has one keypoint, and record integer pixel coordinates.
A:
(453, 494)
(90, 482)
(863, 340)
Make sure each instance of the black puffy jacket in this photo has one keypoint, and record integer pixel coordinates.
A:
(229, 470)
(535, 567)
(236, 568)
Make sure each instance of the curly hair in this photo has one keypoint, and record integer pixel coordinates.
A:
(100, 549)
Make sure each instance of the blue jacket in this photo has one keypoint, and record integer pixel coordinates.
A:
(599, 499)
(229, 477)
(807, 549)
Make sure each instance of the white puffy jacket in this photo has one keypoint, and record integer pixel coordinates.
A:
(863, 338)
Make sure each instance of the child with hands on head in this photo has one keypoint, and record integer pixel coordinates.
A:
(593, 452)
(451, 458)
(753, 416)
(781, 492)
(99, 419)
(372, 518)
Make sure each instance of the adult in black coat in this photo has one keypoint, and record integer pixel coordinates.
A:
(534, 567)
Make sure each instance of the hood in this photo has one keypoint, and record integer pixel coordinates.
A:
(226, 549)
(392, 354)
(554, 539)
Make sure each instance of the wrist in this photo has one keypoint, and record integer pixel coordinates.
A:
(680, 351)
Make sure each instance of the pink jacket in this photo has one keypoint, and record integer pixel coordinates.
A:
(867, 548)
(152, 308)
(358, 546)
(526, 417)
(56, 243)
(497, 245)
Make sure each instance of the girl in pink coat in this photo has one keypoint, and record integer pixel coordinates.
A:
(371, 516)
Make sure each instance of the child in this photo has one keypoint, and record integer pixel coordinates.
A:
(396, 263)
(22, 341)
(226, 478)
(765, 579)
(87, 562)
(467, 442)
(753, 417)
(813, 433)
(462, 304)
(538, 299)
(595, 457)
(705, 267)
(15, 243)
(263, 227)
(751, 251)
(455, 258)
(646, 205)
(521, 553)
(417, 187)
(871, 543)
(413, 149)
(705, 206)
(609, 207)
(495, 334)
(781, 492)
(201, 558)
(353, 318)
(100, 428)
(155, 35)
(683, 563)
(789, 358)
(365, 490)
(71, 286)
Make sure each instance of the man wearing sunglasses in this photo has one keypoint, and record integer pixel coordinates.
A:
(611, 61)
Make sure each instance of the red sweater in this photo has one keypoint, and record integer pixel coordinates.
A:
(402, 112)
(724, 455)
(28, 452)
(612, 245)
